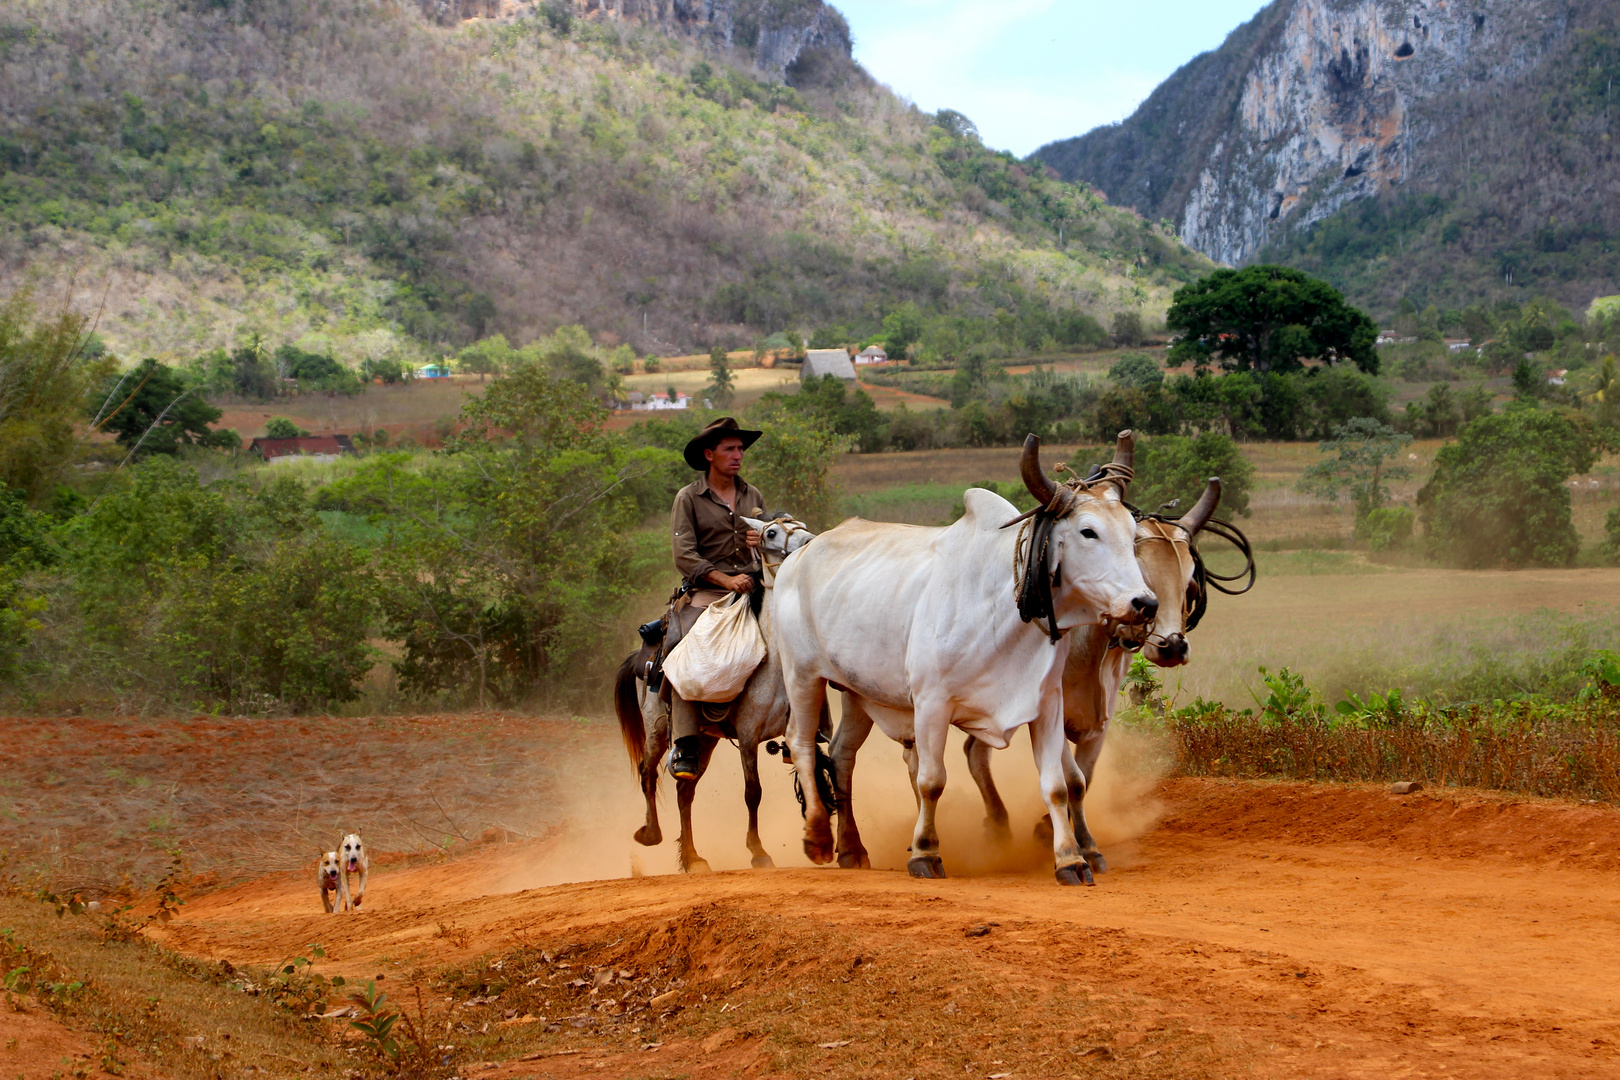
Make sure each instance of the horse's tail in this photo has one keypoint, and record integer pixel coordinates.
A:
(627, 702)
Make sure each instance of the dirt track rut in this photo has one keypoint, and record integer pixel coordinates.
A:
(1262, 929)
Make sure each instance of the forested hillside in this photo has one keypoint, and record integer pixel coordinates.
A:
(367, 178)
(1436, 152)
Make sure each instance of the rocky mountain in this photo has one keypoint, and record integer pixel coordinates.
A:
(1444, 150)
(377, 176)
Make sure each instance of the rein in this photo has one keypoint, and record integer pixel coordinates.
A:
(768, 565)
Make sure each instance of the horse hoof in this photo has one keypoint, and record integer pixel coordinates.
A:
(695, 865)
(818, 851)
(996, 829)
(1095, 860)
(928, 866)
(1043, 830)
(855, 860)
(1078, 874)
(647, 836)
(763, 862)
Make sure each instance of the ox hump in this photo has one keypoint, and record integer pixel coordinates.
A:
(986, 510)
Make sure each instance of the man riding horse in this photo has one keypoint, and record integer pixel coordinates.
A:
(717, 554)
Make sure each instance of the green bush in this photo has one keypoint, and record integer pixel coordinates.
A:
(279, 427)
(1611, 529)
(1389, 528)
(1498, 495)
(1172, 467)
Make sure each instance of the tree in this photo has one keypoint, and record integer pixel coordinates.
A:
(1611, 532)
(1126, 329)
(1498, 495)
(252, 374)
(827, 402)
(1268, 318)
(1137, 371)
(485, 358)
(280, 427)
(1605, 397)
(719, 390)
(44, 379)
(1438, 415)
(902, 327)
(1360, 448)
(792, 465)
(1175, 467)
(159, 413)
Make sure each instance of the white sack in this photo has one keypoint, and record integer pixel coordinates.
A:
(716, 657)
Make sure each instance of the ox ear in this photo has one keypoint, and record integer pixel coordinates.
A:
(1194, 519)
(1029, 466)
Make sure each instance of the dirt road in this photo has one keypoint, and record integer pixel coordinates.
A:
(1259, 930)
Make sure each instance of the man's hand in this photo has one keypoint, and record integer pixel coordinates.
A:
(753, 538)
(737, 583)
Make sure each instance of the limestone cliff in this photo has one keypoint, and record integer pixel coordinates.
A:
(1317, 103)
(772, 35)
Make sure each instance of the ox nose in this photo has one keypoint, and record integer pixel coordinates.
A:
(1146, 607)
(1175, 648)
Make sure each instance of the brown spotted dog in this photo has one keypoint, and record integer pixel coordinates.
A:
(329, 876)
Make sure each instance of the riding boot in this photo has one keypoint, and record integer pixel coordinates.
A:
(686, 759)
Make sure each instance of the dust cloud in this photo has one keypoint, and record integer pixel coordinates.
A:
(604, 808)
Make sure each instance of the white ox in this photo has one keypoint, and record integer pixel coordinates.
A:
(921, 627)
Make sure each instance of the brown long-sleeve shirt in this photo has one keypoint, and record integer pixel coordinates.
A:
(708, 535)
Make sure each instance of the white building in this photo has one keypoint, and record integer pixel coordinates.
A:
(658, 401)
(872, 354)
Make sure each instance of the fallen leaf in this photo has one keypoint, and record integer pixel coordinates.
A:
(835, 1045)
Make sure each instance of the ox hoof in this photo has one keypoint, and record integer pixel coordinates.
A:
(1078, 874)
(1095, 860)
(855, 860)
(762, 862)
(927, 866)
(649, 836)
(819, 852)
(1043, 830)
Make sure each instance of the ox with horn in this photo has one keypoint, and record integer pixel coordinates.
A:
(965, 626)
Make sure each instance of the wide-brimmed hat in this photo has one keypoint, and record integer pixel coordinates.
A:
(711, 435)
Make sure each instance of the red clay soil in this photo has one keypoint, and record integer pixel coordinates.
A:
(1267, 930)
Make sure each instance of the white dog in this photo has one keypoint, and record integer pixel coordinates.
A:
(352, 855)
(329, 875)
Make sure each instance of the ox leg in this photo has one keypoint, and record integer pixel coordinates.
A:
(995, 811)
(1051, 750)
(851, 735)
(929, 754)
(1087, 749)
(657, 721)
(806, 698)
(685, 791)
(751, 795)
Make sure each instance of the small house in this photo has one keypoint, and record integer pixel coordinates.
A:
(433, 371)
(1457, 344)
(659, 401)
(319, 447)
(872, 354)
(1556, 377)
(819, 362)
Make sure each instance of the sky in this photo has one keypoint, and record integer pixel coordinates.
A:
(1027, 72)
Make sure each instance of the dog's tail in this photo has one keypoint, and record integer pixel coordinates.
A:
(627, 702)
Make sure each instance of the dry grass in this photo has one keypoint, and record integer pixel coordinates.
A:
(94, 802)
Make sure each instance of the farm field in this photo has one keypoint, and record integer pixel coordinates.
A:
(1246, 929)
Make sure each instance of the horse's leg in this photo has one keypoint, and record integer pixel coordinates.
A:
(751, 796)
(995, 811)
(1087, 748)
(651, 759)
(685, 791)
(852, 732)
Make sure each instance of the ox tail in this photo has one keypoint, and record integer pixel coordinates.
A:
(627, 703)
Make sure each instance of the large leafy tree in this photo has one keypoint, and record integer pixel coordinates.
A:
(1268, 318)
(1176, 467)
(153, 411)
(1498, 495)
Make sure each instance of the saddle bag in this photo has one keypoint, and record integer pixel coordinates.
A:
(714, 660)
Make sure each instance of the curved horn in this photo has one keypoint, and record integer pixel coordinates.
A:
(1194, 519)
(1029, 466)
(1125, 449)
